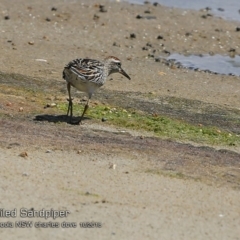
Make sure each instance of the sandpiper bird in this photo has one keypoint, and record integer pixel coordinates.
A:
(87, 75)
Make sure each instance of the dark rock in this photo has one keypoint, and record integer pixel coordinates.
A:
(6, 17)
(166, 52)
(53, 9)
(139, 16)
(237, 29)
(132, 35)
(48, 19)
(155, 4)
(104, 119)
(148, 44)
(232, 50)
(159, 37)
(102, 8)
(220, 9)
(144, 48)
(206, 15)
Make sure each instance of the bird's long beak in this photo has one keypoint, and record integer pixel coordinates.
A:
(124, 73)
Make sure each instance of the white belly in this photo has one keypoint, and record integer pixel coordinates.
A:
(81, 84)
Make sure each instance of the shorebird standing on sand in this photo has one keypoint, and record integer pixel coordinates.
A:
(87, 75)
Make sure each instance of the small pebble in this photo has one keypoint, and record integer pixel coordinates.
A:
(53, 105)
(23, 154)
(48, 19)
(116, 44)
(84, 99)
(31, 43)
(112, 166)
(41, 60)
(48, 151)
(95, 17)
(20, 109)
(155, 4)
(237, 29)
(104, 119)
(147, 11)
(6, 17)
(159, 37)
(53, 9)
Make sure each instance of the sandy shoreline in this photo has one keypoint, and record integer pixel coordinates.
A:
(136, 185)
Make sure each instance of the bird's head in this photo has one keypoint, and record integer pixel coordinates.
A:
(114, 66)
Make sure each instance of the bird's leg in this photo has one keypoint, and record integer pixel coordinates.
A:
(85, 108)
(70, 104)
(84, 111)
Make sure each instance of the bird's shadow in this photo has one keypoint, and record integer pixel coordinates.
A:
(58, 118)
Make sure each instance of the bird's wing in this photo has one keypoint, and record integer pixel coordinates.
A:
(86, 69)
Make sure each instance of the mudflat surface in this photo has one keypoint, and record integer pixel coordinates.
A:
(138, 186)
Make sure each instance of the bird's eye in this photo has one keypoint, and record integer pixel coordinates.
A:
(119, 64)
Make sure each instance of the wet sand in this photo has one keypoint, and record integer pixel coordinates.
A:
(136, 185)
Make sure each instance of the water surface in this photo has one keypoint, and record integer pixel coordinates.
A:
(216, 63)
(228, 9)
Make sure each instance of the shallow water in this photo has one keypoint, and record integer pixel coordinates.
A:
(227, 9)
(216, 63)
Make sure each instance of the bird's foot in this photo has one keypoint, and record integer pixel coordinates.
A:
(79, 122)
